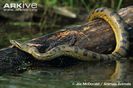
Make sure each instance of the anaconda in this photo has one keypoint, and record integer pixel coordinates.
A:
(119, 52)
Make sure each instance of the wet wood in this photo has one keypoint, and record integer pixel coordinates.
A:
(96, 36)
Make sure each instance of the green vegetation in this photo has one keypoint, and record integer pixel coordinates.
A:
(27, 25)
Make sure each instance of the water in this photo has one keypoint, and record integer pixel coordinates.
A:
(64, 77)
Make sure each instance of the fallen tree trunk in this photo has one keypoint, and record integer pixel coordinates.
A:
(99, 38)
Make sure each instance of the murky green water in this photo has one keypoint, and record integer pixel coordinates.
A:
(66, 77)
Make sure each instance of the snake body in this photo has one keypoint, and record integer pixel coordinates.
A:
(120, 51)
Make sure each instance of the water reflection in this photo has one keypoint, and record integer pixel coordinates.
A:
(60, 77)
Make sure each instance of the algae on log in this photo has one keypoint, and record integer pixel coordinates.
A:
(97, 36)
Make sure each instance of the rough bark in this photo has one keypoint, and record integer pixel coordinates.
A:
(98, 38)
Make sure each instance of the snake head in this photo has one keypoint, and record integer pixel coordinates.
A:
(15, 43)
(23, 47)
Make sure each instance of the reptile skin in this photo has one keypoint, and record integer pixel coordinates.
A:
(120, 51)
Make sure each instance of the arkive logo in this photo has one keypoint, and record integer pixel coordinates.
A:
(20, 7)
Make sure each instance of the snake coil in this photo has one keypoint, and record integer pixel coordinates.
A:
(120, 51)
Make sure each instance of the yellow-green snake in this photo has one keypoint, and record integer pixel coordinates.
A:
(120, 51)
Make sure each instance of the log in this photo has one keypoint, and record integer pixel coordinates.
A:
(98, 38)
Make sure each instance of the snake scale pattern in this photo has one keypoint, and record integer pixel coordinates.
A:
(120, 51)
